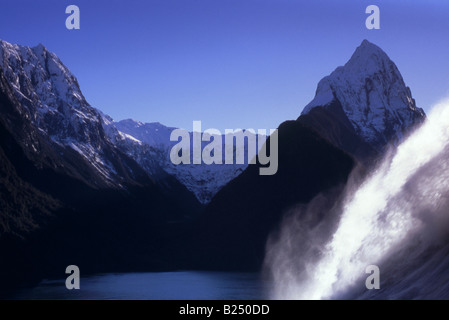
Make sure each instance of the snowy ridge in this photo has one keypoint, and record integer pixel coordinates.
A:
(55, 104)
(373, 95)
(204, 181)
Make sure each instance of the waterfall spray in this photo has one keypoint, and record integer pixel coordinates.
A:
(396, 201)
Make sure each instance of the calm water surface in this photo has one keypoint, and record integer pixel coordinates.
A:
(189, 285)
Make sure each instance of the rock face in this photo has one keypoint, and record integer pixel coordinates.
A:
(369, 99)
(52, 100)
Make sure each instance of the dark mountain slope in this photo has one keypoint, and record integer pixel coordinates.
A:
(52, 217)
(333, 125)
(235, 225)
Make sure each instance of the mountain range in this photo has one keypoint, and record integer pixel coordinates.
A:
(53, 99)
(77, 186)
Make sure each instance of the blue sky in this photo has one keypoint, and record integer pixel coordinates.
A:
(228, 63)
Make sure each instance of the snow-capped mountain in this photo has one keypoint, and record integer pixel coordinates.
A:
(153, 134)
(149, 144)
(53, 101)
(372, 95)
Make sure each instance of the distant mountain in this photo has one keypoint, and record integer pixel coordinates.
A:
(149, 144)
(364, 106)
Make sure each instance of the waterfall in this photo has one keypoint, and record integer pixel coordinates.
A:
(399, 210)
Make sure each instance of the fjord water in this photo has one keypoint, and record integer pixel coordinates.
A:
(397, 219)
(188, 285)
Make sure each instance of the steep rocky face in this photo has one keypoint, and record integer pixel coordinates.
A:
(50, 93)
(51, 99)
(368, 93)
(22, 205)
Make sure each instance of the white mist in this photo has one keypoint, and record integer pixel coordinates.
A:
(384, 210)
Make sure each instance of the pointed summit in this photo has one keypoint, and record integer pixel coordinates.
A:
(368, 53)
(372, 95)
(367, 43)
(369, 46)
(367, 49)
(39, 48)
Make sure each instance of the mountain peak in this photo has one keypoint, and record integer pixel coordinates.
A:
(366, 44)
(39, 48)
(372, 94)
(15, 48)
(369, 59)
(368, 50)
(130, 121)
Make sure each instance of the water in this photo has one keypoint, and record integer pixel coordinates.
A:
(398, 219)
(189, 285)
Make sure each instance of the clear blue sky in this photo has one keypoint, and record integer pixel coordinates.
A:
(229, 63)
